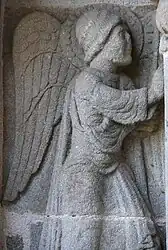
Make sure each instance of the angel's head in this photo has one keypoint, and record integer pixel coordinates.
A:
(104, 35)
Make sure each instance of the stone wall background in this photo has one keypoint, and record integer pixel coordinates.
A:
(15, 4)
(25, 216)
(2, 9)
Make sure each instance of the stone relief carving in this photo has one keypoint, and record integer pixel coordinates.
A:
(75, 87)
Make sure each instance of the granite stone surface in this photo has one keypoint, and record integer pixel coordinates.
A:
(162, 24)
(83, 151)
(2, 219)
(74, 3)
(14, 242)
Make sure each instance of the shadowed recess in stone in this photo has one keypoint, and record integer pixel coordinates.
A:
(14, 242)
(35, 235)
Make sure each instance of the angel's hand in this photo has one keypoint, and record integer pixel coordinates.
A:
(156, 90)
(148, 127)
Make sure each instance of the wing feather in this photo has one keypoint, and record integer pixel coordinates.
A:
(28, 87)
(45, 70)
(39, 116)
(38, 64)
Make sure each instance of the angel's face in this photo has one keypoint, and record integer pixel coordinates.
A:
(118, 47)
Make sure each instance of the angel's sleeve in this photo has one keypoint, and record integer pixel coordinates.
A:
(124, 107)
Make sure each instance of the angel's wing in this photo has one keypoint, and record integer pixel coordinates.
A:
(42, 74)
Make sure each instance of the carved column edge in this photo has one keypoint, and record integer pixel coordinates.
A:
(162, 24)
(2, 10)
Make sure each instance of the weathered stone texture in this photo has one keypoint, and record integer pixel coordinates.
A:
(2, 9)
(14, 242)
(162, 23)
(71, 3)
(99, 203)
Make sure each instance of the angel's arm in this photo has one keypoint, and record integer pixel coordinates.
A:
(124, 107)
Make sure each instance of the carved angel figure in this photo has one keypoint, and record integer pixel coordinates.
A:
(93, 193)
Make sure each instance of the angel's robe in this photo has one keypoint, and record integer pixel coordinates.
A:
(102, 116)
(93, 180)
